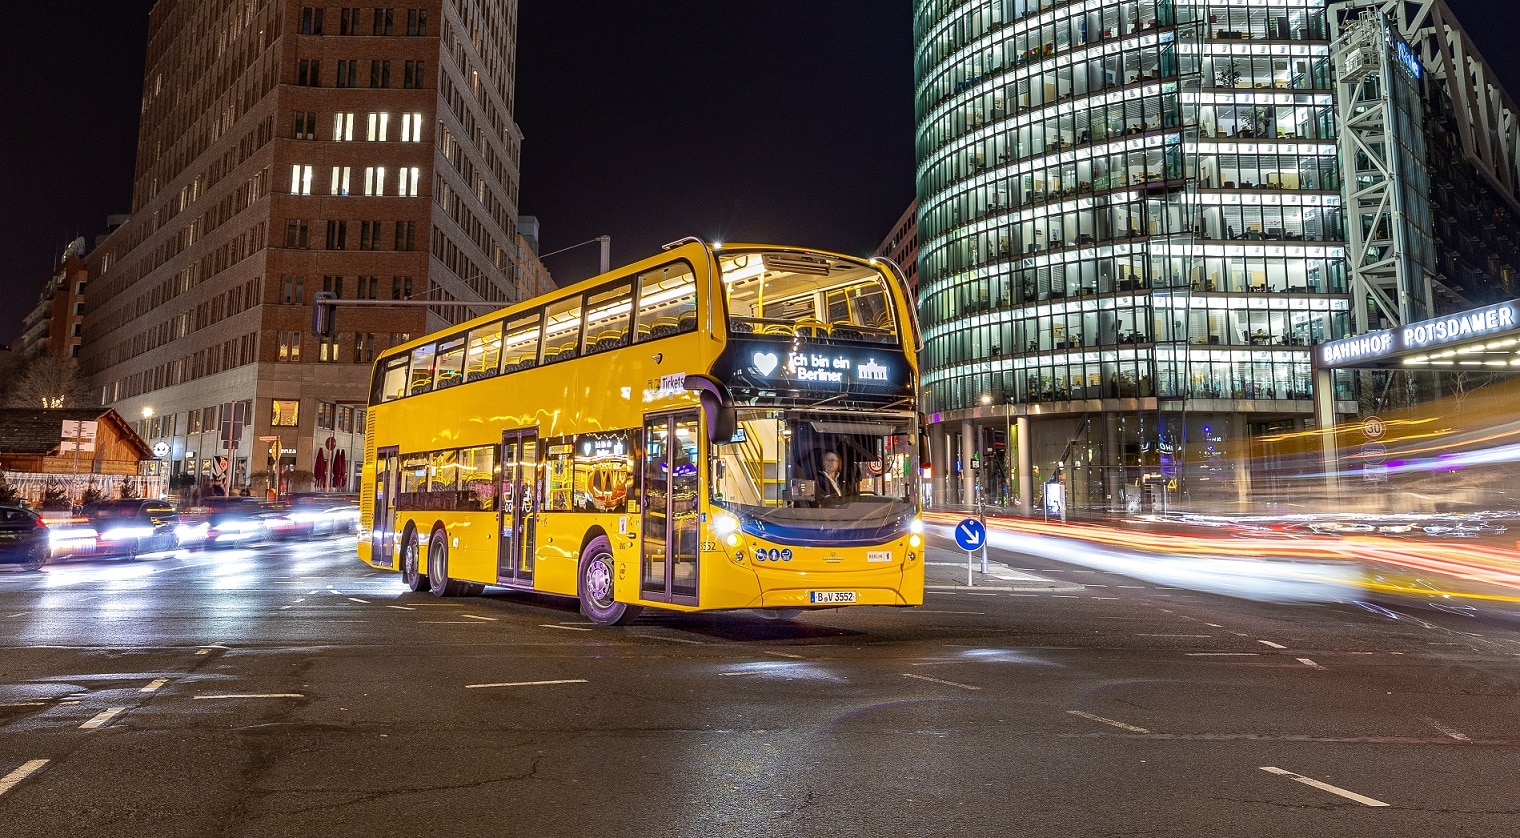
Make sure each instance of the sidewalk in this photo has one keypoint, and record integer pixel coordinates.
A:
(945, 569)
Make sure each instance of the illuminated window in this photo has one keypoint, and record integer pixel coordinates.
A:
(485, 352)
(374, 180)
(343, 127)
(327, 351)
(300, 180)
(407, 178)
(379, 127)
(607, 317)
(393, 380)
(667, 302)
(422, 369)
(290, 347)
(340, 175)
(411, 128)
(519, 345)
(286, 413)
(562, 330)
(450, 363)
(477, 479)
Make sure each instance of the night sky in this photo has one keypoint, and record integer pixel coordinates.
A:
(785, 121)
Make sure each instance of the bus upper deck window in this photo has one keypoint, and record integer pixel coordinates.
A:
(562, 330)
(450, 363)
(519, 345)
(484, 353)
(422, 369)
(393, 382)
(607, 316)
(667, 302)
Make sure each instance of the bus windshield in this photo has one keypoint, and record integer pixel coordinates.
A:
(803, 477)
(773, 293)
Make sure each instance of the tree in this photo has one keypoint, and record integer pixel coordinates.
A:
(92, 494)
(8, 494)
(53, 496)
(49, 382)
(129, 489)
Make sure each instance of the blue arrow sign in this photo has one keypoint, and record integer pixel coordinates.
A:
(970, 534)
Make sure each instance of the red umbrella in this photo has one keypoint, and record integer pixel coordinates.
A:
(340, 470)
(321, 470)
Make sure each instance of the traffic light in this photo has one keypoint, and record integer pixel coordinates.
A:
(324, 315)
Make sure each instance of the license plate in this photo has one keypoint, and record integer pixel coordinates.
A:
(817, 597)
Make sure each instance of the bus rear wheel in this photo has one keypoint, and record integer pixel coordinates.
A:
(438, 568)
(597, 601)
(411, 570)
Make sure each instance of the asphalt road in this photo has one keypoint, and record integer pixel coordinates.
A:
(292, 691)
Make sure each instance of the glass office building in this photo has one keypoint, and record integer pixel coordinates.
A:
(1131, 234)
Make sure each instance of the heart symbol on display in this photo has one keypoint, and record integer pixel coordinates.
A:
(765, 362)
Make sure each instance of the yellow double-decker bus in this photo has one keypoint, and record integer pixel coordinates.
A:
(716, 427)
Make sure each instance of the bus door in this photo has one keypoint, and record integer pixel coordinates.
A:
(670, 504)
(382, 549)
(519, 463)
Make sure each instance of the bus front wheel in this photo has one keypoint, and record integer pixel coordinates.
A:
(597, 601)
(411, 569)
(438, 568)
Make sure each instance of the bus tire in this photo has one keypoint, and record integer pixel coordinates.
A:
(595, 587)
(411, 569)
(438, 567)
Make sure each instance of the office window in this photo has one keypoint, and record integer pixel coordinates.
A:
(379, 74)
(326, 412)
(300, 180)
(337, 235)
(306, 125)
(368, 288)
(309, 72)
(295, 234)
(379, 126)
(406, 180)
(348, 72)
(416, 21)
(311, 20)
(369, 235)
(293, 290)
(374, 180)
(290, 347)
(385, 22)
(406, 235)
(285, 414)
(340, 176)
(343, 127)
(411, 128)
(333, 285)
(348, 21)
(401, 289)
(412, 75)
(327, 350)
(364, 347)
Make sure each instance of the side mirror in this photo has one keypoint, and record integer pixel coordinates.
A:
(717, 404)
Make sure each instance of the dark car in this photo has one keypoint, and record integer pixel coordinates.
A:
(23, 538)
(236, 520)
(313, 516)
(132, 527)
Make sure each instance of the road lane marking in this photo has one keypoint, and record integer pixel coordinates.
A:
(101, 718)
(1309, 663)
(1173, 635)
(929, 611)
(1460, 737)
(18, 614)
(473, 617)
(564, 628)
(671, 639)
(1271, 644)
(1310, 781)
(401, 607)
(527, 683)
(27, 769)
(1221, 654)
(24, 704)
(154, 685)
(1118, 724)
(1214, 625)
(938, 681)
(356, 599)
(784, 655)
(203, 651)
(250, 695)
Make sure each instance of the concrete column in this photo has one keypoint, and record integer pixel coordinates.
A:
(1325, 421)
(1026, 465)
(968, 449)
(1240, 448)
(939, 461)
(1113, 464)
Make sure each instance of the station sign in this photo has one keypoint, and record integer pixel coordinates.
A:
(815, 366)
(1427, 334)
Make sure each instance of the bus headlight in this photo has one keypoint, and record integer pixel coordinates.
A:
(915, 540)
(916, 526)
(732, 540)
(724, 524)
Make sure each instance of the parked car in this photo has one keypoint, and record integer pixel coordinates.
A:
(132, 527)
(23, 538)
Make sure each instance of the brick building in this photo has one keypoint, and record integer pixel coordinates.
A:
(55, 323)
(288, 148)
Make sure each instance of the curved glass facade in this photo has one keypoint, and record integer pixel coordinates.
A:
(1130, 235)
